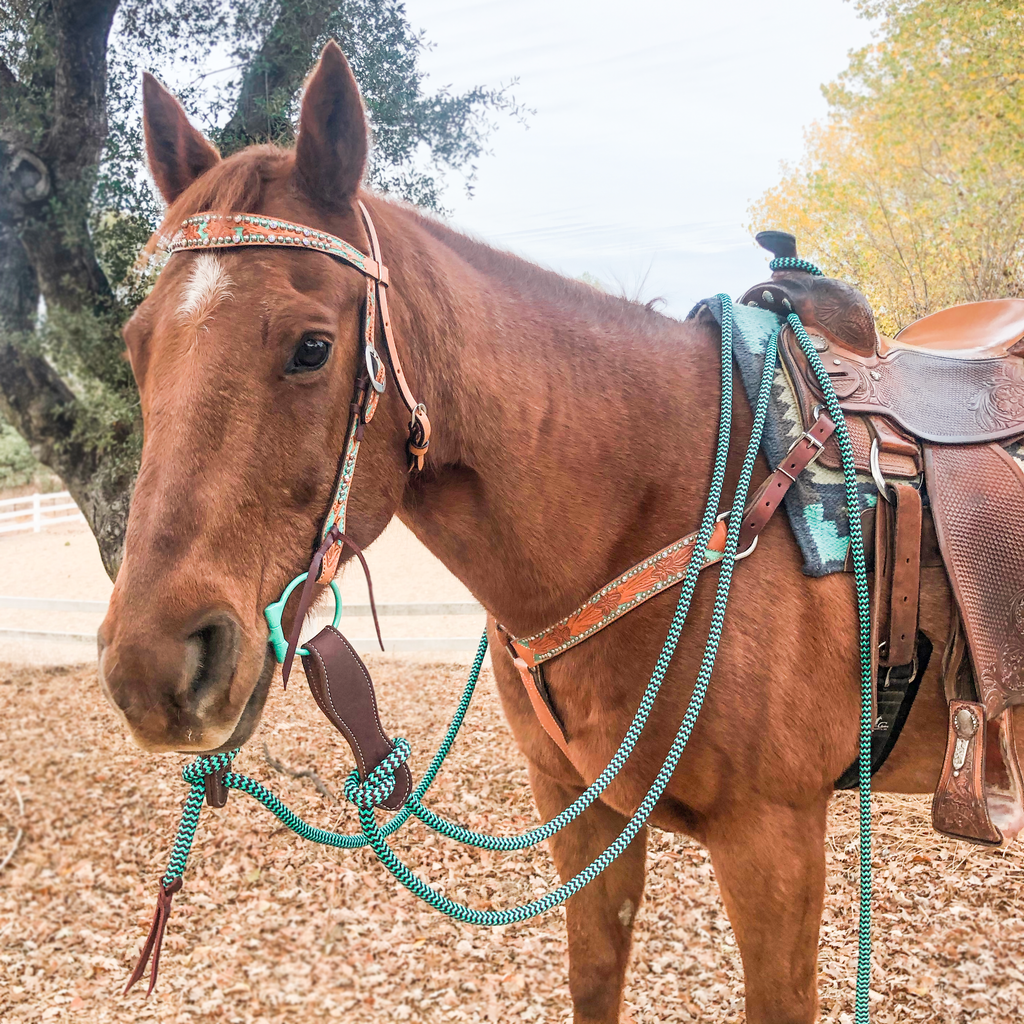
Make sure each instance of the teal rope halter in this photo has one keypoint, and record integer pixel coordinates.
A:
(367, 794)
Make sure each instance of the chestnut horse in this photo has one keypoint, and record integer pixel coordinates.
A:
(573, 435)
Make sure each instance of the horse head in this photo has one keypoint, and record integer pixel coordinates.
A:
(245, 360)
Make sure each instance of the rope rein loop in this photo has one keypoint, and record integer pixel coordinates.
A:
(197, 770)
(379, 784)
(794, 263)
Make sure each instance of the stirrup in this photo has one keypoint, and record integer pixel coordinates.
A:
(959, 807)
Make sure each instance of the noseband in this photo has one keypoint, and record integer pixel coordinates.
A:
(236, 230)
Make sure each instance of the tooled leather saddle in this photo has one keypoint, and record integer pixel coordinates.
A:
(926, 412)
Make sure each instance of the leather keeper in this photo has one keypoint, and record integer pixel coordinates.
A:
(343, 690)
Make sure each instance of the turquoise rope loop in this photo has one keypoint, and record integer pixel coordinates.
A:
(376, 837)
(379, 784)
(794, 263)
(369, 793)
(274, 612)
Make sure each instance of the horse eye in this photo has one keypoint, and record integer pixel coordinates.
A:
(310, 354)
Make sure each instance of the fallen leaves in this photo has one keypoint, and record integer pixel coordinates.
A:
(270, 929)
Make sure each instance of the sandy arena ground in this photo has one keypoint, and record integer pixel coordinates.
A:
(63, 562)
(270, 929)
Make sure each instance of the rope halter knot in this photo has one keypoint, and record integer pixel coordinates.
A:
(380, 782)
(196, 772)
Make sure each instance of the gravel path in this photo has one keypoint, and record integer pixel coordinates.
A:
(270, 929)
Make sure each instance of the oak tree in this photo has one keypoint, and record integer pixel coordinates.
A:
(76, 204)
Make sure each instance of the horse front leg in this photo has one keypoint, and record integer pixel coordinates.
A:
(599, 917)
(770, 864)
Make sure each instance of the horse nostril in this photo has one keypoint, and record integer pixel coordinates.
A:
(214, 650)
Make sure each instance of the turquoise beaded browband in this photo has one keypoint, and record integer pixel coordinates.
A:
(209, 230)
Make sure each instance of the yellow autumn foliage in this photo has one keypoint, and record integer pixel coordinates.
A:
(913, 188)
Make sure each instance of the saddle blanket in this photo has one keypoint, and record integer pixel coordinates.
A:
(816, 503)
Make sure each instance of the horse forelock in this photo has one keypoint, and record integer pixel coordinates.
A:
(238, 183)
(208, 285)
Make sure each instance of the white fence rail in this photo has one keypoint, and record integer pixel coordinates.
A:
(34, 512)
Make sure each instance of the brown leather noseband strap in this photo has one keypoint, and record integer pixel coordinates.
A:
(341, 686)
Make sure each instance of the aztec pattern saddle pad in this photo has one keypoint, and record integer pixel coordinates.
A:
(816, 503)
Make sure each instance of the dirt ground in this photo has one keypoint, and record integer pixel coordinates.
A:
(271, 929)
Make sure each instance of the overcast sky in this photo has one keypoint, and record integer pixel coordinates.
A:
(656, 125)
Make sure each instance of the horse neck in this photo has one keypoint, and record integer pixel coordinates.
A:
(572, 432)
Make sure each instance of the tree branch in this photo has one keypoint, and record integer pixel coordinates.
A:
(7, 80)
(274, 76)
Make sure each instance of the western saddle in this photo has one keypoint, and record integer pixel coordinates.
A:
(926, 412)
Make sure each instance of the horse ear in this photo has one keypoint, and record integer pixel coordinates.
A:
(330, 155)
(177, 153)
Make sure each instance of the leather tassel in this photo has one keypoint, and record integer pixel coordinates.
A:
(155, 938)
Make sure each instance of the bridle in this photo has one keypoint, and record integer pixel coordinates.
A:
(217, 231)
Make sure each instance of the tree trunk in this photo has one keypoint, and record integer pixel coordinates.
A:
(46, 181)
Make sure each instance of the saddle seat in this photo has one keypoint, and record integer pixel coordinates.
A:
(974, 330)
(955, 377)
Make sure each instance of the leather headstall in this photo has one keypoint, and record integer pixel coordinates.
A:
(337, 678)
(209, 230)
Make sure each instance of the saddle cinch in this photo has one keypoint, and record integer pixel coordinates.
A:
(929, 413)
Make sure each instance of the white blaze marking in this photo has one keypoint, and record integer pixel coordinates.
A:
(206, 288)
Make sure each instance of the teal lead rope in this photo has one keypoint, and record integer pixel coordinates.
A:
(366, 794)
(862, 1013)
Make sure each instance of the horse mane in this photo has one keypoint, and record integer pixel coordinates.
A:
(535, 281)
(240, 182)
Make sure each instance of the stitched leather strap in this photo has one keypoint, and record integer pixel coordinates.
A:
(539, 700)
(341, 686)
(903, 575)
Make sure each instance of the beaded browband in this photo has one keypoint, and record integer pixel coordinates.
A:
(224, 230)
(209, 230)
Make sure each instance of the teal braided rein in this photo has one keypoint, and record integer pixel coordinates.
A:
(867, 683)
(794, 263)
(365, 798)
(367, 794)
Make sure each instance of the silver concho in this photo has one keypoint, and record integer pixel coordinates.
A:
(966, 726)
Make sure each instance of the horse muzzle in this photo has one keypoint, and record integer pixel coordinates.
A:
(199, 688)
